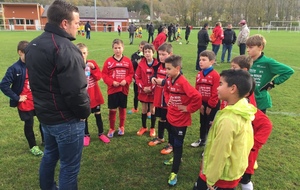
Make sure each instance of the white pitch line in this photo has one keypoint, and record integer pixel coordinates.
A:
(284, 113)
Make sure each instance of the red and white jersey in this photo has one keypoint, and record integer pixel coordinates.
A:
(180, 92)
(207, 86)
(143, 75)
(159, 90)
(96, 97)
(117, 70)
(27, 105)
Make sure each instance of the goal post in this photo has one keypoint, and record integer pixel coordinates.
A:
(284, 25)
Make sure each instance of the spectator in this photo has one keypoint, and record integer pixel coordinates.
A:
(151, 32)
(131, 30)
(218, 31)
(203, 40)
(187, 33)
(243, 36)
(87, 29)
(228, 41)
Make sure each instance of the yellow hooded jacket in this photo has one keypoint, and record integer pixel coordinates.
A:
(229, 142)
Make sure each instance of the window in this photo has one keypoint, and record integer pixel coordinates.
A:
(29, 22)
(19, 21)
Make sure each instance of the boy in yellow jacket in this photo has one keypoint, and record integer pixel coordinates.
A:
(230, 138)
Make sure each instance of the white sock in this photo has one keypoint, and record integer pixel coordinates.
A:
(248, 186)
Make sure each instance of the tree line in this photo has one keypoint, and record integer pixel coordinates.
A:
(196, 12)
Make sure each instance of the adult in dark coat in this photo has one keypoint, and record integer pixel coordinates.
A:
(203, 40)
(87, 28)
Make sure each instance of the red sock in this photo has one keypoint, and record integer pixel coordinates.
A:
(122, 115)
(112, 119)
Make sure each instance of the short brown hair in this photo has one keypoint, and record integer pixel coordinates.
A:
(149, 46)
(117, 41)
(256, 40)
(60, 10)
(22, 45)
(175, 60)
(166, 47)
(142, 43)
(243, 61)
(209, 54)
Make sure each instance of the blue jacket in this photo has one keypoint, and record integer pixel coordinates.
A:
(13, 82)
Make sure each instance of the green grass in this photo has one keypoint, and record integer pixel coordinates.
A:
(128, 163)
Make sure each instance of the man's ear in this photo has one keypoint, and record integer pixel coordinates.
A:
(63, 24)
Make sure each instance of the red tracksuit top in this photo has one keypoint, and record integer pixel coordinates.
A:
(159, 99)
(96, 97)
(114, 70)
(180, 92)
(207, 86)
(143, 75)
(160, 39)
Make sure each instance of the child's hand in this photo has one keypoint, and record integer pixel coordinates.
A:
(91, 65)
(147, 89)
(123, 83)
(116, 84)
(202, 110)
(159, 81)
(154, 80)
(208, 110)
(23, 98)
(182, 108)
(267, 86)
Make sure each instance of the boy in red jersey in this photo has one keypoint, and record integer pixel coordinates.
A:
(117, 74)
(96, 98)
(135, 59)
(160, 38)
(207, 82)
(15, 85)
(261, 124)
(143, 75)
(182, 100)
(159, 77)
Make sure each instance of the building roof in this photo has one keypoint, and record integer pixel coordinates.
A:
(102, 12)
(133, 15)
(10, 3)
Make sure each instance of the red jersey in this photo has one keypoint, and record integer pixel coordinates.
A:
(117, 70)
(159, 99)
(160, 39)
(143, 75)
(180, 92)
(27, 105)
(207, 86)
(262, 128)
(93, 90)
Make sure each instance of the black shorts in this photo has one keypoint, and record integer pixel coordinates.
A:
(96, 109)
(26, 115)
(246, 178)
(117, 100)
(161, 112)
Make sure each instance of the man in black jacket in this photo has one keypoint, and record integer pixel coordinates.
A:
(58, 83)
(228, 41)
(151, 32)
(203, 40)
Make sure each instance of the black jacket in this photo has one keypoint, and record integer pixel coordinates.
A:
(57, 79)
(203, 38)
(229, 37)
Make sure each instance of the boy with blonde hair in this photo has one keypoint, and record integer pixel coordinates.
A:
(117, 74)
(266, 71)
(93, 74)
